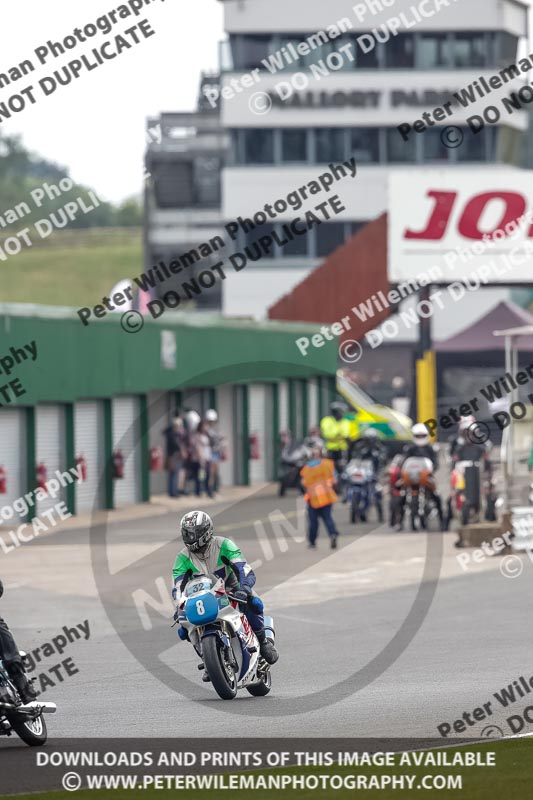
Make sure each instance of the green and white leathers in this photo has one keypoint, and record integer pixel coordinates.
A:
(210, 562)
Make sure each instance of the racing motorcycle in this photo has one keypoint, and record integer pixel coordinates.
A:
(470, 485)
(419, 486)
(25, 719)
(293, 457)
(361, 489)
(222, 636)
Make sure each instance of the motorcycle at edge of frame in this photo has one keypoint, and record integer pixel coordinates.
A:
(25, 719)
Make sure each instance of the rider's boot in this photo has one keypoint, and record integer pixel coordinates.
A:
(22, 683)
(266, 647)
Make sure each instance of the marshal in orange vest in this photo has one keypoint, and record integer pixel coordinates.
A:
(319, 480)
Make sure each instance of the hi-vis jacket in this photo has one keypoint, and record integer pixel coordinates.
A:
(335, 432)
(318, 478)
(210, 562)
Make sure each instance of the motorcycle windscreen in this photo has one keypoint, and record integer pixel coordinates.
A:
(202, 609)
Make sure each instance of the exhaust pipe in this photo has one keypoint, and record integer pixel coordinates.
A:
(35, 708)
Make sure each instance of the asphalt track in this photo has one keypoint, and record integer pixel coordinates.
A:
(340, 618)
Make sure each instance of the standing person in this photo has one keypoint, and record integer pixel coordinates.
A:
(202, 446)
(175, 454)
(335, 430)
(217, 448)
(318, 477)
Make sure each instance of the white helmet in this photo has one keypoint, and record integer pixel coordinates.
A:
(192, 419)
(211, 415)
(420, 434)
(466, 422)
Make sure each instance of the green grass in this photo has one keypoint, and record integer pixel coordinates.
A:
(72, 268)
(511, 778)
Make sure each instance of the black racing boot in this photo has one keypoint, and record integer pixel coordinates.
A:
(266, 648)
(22, 684)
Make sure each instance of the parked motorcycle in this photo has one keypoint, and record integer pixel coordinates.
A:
(25, 719)
(223, 637)
(361, 489)
(293, 457)
(419, 487)
(471, 487)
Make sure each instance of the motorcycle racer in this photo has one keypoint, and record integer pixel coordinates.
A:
(203, 553)
(10, 655)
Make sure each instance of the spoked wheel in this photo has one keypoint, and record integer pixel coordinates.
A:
(221, 672)
(263, 687)
(32, 731)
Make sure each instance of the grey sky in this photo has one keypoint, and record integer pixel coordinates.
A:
(95, 125)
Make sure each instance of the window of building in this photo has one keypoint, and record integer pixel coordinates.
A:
(475, 148)
(400, 51)
(506, 48)
(356, 226)
(368, 60)
(433, 51)
(248, 239)
(293, 145)
(248, 51)
(398, 151)
(365, 145)
(329, 236)
(258, 146)
(432, 147)
(329, 145)
(298, 247)
(470, 50)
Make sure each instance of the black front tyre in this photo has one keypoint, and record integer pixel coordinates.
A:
(263, 687)
(32, 731)
(222, 674)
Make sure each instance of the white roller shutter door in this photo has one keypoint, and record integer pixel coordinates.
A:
(89, 444)
(312, 388)
(283, 406)
(13, 457)
(161, 409)
(259, 407)
(50, 450)
(226, 421)
(127, 490)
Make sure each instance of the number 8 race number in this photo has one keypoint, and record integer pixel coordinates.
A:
(200, 607)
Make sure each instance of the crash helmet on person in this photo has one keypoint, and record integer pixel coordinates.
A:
(420, 434)
(196, 528)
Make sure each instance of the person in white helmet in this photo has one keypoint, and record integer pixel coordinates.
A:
(421, 445)
(217, 448)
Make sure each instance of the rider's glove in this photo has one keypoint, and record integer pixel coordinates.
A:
(183, 634)
(240, 595)
(257, 604)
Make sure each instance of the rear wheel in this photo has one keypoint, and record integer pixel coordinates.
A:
(354, 503)
(221, 673)
(32, 731)
(261, 688)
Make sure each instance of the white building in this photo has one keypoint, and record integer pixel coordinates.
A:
(345, 95)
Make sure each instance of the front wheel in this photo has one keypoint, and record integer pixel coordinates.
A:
(32, 731)
(221, 673)
(263, 687)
